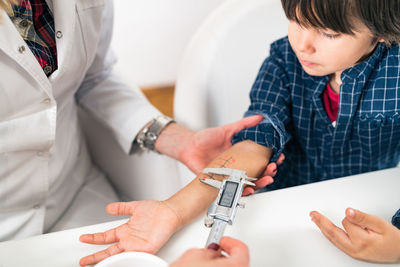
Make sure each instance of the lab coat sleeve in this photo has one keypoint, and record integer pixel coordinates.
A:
(102, 93)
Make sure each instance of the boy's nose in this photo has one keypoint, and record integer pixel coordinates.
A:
(305, 42)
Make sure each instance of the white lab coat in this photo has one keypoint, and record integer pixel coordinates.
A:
(43, 157)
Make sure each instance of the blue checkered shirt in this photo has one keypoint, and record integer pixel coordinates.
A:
(367, 132)
(366, 136)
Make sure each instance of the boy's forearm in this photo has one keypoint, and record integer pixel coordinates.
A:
(195, 198)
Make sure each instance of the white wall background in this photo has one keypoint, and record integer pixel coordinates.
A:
(151, 35)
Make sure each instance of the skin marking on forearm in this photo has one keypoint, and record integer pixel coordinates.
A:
(223, 162)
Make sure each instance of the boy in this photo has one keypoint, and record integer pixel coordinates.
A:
(330, 97)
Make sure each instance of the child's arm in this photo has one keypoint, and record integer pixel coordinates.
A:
(153, 222)
(196, 197)
(366, 237)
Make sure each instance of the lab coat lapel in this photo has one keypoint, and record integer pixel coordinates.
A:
(11, 44)
(64, 12)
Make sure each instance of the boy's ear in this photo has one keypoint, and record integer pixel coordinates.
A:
(381, 40)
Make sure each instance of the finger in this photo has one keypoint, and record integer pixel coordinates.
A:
(238, 251)
(248, 190)
(365, 220)
(101, 255)
(121, 208)
(354, 231)
(281, 158)
(107, 237)
(263, 182)
(247, 122)
(271, 169)
(201, 254)
(209, 253)
(337, 236)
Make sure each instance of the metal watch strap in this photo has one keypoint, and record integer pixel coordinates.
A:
(148, 136)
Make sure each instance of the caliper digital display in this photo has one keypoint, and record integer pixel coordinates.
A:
(228, 194)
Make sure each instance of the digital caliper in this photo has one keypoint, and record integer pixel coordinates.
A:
(223, 210)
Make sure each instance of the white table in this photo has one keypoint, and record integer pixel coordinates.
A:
(275, 225)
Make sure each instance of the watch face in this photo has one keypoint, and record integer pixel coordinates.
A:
(151, 136)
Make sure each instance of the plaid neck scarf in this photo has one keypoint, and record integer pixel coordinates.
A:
(35, 23)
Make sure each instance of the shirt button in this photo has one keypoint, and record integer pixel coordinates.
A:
(46, 100)
(23, 23)
(36, 207)
(59, 34)
(47, 69)
(21, 49)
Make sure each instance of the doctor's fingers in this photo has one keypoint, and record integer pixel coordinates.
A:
(334, 234)
(237, 250)
(121, 208)
(106, 237)
(244, 123)
(101, 255)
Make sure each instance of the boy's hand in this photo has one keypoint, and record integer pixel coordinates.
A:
(366, 237)
(150, 226)
(267, 178)
(237, 250)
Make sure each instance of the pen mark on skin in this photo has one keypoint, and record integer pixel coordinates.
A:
(224, 162)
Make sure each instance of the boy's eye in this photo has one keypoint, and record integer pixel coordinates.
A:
(330, 35)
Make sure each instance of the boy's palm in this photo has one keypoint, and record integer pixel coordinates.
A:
(150, 226)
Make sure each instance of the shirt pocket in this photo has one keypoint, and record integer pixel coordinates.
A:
(87, 4)
(90, 14)
(378, 137)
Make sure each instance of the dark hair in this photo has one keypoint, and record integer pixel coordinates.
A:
(381, 17)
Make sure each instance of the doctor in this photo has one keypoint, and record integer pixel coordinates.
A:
(55, 56)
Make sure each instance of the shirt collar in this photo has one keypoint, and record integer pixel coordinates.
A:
(366, 67)
(50, 5)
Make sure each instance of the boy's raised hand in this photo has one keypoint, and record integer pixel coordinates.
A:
(150, 226)
(365, 237)
(267, 178)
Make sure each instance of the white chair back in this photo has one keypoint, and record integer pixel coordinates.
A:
(221, 62)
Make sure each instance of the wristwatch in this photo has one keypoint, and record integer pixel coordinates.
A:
(148, 136)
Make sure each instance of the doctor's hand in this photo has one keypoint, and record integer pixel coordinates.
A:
(237, 250)
(150, 226)
(365, 237)
(197, 149)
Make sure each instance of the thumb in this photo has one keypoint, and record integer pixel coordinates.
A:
(246, 122)
(121, 208)
(237, 250)
(365, 220)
